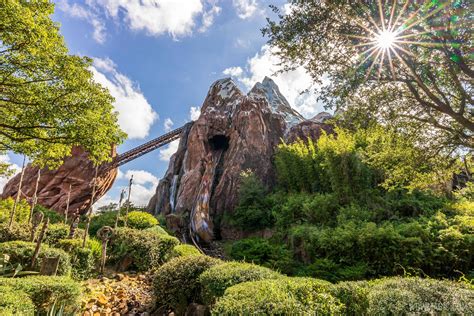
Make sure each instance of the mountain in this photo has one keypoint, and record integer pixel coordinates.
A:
(235, 132)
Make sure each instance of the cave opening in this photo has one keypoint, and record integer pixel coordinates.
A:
(219, 142)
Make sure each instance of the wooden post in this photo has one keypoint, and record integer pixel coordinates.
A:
(35, 196)
(35, 221)
(128, 199)
(105, 233)
(38, 243)
(122, 195)
(67, 204)
(73, 227)
(89, 214)
(18, 194)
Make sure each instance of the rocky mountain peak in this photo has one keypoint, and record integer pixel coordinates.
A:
(222, 93)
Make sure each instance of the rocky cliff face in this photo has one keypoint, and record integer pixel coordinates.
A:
(234, 132)
(77, 172)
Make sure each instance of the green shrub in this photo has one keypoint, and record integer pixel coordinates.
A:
(141, 220)
(157, 230)
(147, 250)
(55, 233)
(354, 296)
(414, 296)
(184, 250)
(21, 252)
(48, 291)
(15, 232)
(14, 302)
(285, 296)
(103, 219)
(83, 260)
(260, 251)
(218, 278)
(54, 217)
(22, 212)
(176, 283)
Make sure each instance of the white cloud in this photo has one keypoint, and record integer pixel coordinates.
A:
(136, 116)
(209, 16)
(169, 150)
(168, 124)
(245, 8)
(77, 11)
(233, 71)
(15, 168)
(292, 84)
(194, 113)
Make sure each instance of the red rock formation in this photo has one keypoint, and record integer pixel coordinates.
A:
(77, 171)
(312, 128)
(235, 132)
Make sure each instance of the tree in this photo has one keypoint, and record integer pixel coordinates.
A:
(48, 99)
(407, 61)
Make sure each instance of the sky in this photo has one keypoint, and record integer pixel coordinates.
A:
(158, 58)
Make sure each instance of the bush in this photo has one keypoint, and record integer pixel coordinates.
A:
(157, 230)
(141, 220)
(83, 260)
(260, 251)
(55, 233)
(48, 291)
(103, 219)
(21, 252)
(184, 250)
(14, 302)
(218, 278)
(22, 212)
(285, 296)
(176, 283)
(54, 217)
(414, 296)
(354, 296)
(15, 232)
(147, 250)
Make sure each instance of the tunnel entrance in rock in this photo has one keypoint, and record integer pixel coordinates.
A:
(219, 142)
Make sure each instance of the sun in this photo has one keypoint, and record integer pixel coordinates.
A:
(385, 39)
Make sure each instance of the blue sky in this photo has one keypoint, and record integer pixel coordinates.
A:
(159, 57)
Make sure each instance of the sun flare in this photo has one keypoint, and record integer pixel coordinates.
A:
(385, 39)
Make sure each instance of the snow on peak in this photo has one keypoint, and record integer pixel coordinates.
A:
(269, 90)
(226, 88)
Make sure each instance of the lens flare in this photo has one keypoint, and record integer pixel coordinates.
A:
(385, 39)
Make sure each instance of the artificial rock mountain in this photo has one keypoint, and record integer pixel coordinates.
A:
(235, 132)
(75, 174)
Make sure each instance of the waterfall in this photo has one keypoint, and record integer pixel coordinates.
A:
(174, 186)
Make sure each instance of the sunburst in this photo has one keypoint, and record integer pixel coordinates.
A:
(388, 39)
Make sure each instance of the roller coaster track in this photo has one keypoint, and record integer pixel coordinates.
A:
(147, 147)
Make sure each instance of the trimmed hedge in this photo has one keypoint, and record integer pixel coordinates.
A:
(9, 302)
(184, 250)
(157, 230)
(416, 296)
(353, 294)
(46, 291)
(218, 278)
(176, 283)
(285, 296)
(15, 232)
(83, 260)
(141, 220)
(147, 250)
(21, 252)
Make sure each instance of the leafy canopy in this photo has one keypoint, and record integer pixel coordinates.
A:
(48, 99)
(408, 63)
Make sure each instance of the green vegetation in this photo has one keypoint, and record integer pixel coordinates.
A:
(21, 214)
(176, 283)
(83, 260)
(46, 292)
(15, 232)
(184, 250)
(147, 250)
(9, 299)
(21, 252)
(51, 92)
(218, 278)
(141, 220)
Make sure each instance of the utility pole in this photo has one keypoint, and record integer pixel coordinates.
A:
(128, 199)
(35, 196)
(18, 195)
(89, 214)
(122, 195)
(67, 204)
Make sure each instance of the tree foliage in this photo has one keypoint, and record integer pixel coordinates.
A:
(425, 85)
(48, 99)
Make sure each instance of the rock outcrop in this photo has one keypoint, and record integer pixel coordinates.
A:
(77, 172)
(312, 128)
(234, 132)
